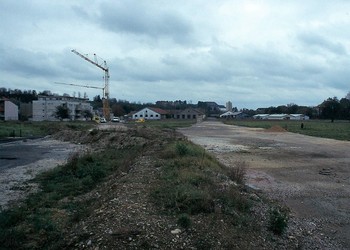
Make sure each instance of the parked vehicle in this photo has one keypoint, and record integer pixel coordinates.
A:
(115, 119)
(103, 120)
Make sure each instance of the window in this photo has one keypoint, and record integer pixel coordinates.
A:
(188, 116)
(157, 115)
(151, 115)
(183, 116)
(194, 117)
(140, 115)
(135, 116)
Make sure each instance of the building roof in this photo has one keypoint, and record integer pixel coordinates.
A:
(159, 111)
(188, 110)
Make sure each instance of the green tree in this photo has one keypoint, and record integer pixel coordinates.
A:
(330, 109)
(62, 112)
(344, 112)
(87, 114)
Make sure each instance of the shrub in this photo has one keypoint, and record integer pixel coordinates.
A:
(278, 220)
(181, 149)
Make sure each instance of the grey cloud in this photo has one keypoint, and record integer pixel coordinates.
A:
(192, 67)
(140, 18)
(52, 66)
(25, 63)
(317, 41)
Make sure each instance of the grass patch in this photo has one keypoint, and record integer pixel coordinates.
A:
(237, 172)
(189, 183)
(339, 130)
(38, 129)
(40, 220)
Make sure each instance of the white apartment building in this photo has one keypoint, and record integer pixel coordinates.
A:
(8, 110)
(45, 107)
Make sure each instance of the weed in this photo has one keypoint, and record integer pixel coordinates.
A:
(278, 220)
(182, 149)
(184, 221)
(232, 201)
(238, 172)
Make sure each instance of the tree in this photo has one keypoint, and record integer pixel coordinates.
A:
(87, 114)
(46, 93)
(330, 109)
(62, 112)
(344, 112)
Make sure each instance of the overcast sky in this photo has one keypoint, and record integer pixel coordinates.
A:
(252, 53)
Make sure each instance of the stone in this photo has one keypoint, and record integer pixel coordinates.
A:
(176, 231)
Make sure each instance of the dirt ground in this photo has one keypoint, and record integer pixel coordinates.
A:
(22, 160)
(310, 175)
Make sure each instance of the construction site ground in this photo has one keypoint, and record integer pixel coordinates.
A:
(310, 175)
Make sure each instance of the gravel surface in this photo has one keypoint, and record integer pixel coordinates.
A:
(309, 175)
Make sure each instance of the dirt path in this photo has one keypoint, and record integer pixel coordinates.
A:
(310, 175)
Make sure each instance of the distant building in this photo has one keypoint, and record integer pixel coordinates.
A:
(281, 117)
(233, 115)
(261, 116)
(45, 107)
(25, 111)
(228, 106)
(8, 110)
(189, 113)
(150, 114)
(298, 117)
(278, 117)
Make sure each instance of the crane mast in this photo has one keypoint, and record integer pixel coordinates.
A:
(103, 66)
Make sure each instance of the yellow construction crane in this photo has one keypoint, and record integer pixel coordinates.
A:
(83, 86)
(103, 66)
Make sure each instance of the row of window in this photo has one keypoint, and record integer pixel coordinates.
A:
(184, 116)
(177, 116)
(146, 115)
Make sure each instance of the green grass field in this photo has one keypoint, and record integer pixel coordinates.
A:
(339, 130)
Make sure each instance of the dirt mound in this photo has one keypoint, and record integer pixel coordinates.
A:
(275, 128)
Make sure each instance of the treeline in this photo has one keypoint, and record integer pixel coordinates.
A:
(18, 96)
(290, 109)
(331, 108)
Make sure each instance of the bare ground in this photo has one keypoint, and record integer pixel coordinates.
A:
(309, 175)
